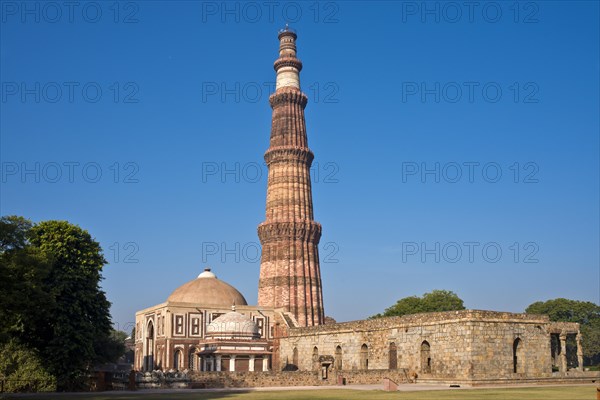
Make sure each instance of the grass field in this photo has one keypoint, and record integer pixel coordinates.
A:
(537, 393)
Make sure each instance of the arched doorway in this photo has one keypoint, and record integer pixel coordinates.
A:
(393, 356)
(425, 357)
(364, 357)
(149, 353)
(177, 360)
(517, 362)
(338, 358)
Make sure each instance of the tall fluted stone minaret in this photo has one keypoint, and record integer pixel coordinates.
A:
(290, 276)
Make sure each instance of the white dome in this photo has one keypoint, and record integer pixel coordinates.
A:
(233, 325)
(207, 273)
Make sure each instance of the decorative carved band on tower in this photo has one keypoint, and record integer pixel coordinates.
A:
(290, 276)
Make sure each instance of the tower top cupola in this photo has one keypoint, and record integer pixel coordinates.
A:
(287, 42)
(288, 67)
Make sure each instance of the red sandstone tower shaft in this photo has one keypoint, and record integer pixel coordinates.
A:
(290, 276)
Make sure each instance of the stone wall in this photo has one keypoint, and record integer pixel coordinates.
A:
(292, 378)
(466, 344)
(494, 346)
(162, 380)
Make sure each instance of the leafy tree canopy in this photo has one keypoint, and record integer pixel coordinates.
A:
(50, 276)
(23, 369)
(23, 273)
(434, 301)
(13, 232)
(583, 312)
(566, 310)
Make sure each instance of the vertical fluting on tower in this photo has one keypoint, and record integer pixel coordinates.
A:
(290, 276)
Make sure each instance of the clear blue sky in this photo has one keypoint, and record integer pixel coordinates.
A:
(395, 89)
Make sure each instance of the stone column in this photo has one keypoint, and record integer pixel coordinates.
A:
(563, 353)
(251, 364)
(204, 363)
(218, 363)
(167, 355)
(579, 352)
(232, 364)
(554, 355)
(265, 363)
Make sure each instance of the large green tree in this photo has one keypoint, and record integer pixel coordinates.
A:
(80, 318)
(584, 312)
(50, 276)
(436, 300)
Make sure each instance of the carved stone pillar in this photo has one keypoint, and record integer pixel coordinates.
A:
(232, 364)
(218, 363)
(579, 352)
(563, 353)
(251, 364)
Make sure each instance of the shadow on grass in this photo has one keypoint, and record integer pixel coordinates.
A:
(578, 392)
(142, 394)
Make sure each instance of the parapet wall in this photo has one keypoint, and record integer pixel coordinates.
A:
(422, 319)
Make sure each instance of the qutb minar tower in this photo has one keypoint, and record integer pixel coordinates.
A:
(290, 276)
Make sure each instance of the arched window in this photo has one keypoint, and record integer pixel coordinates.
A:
(295, 357)
(425, 357)
(192, 358)
(338, 358)
(177, 359)
(315, 359)
(393, 356)
(364, 357)
(517, 362)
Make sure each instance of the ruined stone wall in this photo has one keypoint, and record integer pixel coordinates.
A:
(462, 345)
(495, 344)
(448, 347)
(292, 378)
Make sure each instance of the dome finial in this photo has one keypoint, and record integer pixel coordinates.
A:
(233, 306)
(288, 30)
(207, 273)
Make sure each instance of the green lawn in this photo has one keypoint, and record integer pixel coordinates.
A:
(537, 393)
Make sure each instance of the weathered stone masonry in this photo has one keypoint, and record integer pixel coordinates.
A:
(463, 345)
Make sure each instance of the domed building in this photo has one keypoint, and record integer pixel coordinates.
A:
(233, 343)
(189, 330)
